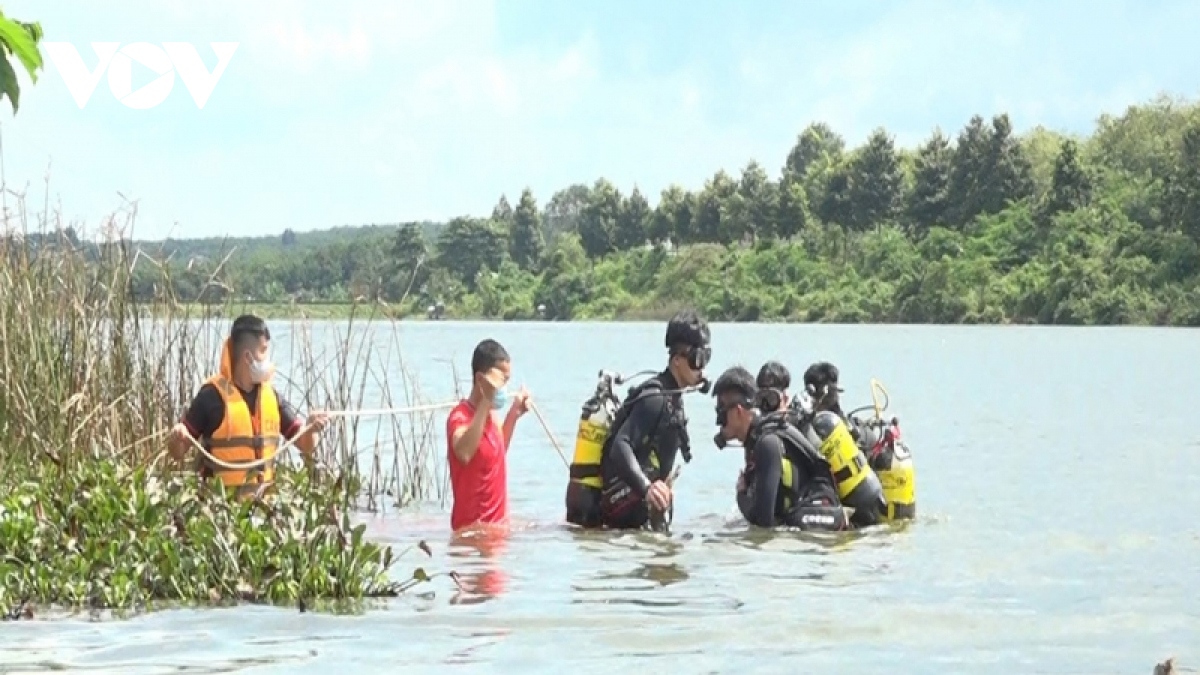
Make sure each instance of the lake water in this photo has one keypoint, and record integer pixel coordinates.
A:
(1057, 496)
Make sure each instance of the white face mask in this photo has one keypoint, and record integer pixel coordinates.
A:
(260, 370)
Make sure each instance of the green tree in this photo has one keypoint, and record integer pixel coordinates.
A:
(1182, 194)
(566, 283)
(525, 237)
(633, 221)
(711, 204)
(837, 205)
(1071, 187)
(813, 161)
(468, 247)
(598, 221)
(502, 212)
(793, 208)
(564, 210)
(760, 199)
(968, 169)
(410, 255)
(673, 217)
(875, 183)
(816, 147)
(929, 201)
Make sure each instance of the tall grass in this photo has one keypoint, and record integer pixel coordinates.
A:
(91, 382)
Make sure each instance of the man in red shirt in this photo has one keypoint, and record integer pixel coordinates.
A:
(478, 440)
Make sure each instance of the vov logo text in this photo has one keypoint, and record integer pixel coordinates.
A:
(167, 60)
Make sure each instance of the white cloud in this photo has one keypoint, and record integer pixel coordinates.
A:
(304, 48)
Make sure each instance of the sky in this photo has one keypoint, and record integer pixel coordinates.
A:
(385, 111)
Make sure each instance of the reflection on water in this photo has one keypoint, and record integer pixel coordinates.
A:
(477, 556)
(633, 549)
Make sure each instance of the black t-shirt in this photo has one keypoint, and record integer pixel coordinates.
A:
(207, 412)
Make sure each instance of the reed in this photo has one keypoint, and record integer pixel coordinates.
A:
(94, 514)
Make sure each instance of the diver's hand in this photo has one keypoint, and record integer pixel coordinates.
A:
(741, 481)
(659, 495)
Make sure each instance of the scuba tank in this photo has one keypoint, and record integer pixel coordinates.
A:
(595, 422)
(889, 457)
(857, 485)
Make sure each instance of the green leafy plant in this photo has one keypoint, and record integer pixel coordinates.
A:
(21, 40)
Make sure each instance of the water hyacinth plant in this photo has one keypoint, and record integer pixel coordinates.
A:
(94, 513)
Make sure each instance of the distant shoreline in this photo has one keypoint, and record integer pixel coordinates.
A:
(379, 312)
(280, 310)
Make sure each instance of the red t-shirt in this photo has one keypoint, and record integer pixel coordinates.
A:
(480, 486)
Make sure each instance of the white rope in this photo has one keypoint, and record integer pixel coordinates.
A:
(288, 445)
(380, 412)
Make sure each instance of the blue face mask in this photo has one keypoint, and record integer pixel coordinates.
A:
(500, 398)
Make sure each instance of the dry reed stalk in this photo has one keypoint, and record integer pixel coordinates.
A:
(92, 369)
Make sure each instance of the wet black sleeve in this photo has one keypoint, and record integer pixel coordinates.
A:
(289, 420)
(205, 414)
(768, 453)
(643, 419)
(745, 498)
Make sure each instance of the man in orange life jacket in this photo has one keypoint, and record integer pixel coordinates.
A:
(238, 417)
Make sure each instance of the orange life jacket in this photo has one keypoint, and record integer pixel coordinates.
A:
(243, 437)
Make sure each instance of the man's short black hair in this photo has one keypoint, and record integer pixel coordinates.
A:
(736, 380)
(821, 380)
(687, 329)
(820, 374)
(488, 354)
(246, 331)
(773, 375)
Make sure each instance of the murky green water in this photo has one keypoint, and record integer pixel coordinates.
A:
(1057, 490)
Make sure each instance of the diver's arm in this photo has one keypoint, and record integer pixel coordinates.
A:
(745, 501)
(768, 452)
(642, 420)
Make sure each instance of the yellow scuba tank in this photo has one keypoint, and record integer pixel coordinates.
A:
(595, 422)
(889, 456)
(858, 486)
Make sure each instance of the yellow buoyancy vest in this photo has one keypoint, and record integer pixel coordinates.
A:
(243, 437)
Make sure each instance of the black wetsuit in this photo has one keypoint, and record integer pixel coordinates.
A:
(807, 498)
(645, 439)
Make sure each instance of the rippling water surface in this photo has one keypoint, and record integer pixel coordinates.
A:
(1057, 530)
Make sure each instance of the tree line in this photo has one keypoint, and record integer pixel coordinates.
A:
(986, 226)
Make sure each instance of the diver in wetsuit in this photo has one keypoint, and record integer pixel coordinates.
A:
(828, 428)
(774, 379)
(649, 430)
(785, 480)
(880, 442)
